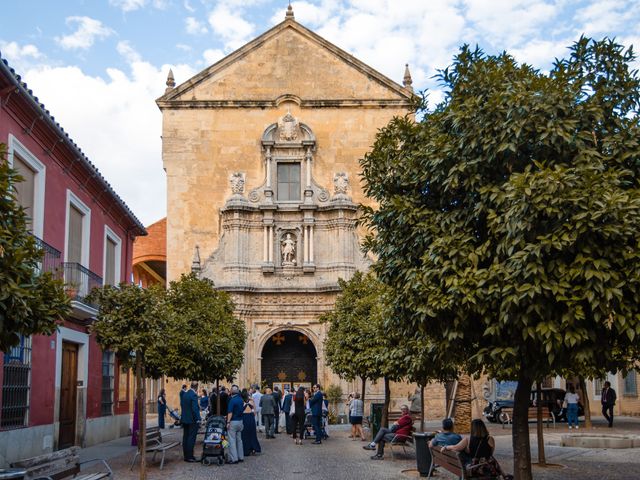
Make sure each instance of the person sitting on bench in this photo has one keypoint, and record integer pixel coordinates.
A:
(401, 428)
(446, 436)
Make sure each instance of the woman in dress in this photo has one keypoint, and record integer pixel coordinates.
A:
(203, 401)
(162, 407)
(299, 403)
(249, 434)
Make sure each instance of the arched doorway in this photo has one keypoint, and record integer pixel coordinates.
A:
(289, 357)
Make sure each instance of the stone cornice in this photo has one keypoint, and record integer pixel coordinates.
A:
(311, 103)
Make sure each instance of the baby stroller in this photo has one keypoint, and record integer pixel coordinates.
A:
(309, 432)
(175, 416)
(215, 440)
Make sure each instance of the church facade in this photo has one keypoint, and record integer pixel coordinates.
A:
(262, 152)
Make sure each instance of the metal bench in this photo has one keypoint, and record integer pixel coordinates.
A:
(61, 464)
(506, 416)
(401, 441)
(154, 444)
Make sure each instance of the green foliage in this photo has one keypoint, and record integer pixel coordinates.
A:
(30, 302)
(134, 322)
(212, 338)
(354, 339)
(508, 217)
(334, 393)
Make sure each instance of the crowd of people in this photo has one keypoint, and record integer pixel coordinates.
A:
(249, 411)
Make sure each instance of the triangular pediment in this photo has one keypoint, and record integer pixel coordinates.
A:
(288, 62)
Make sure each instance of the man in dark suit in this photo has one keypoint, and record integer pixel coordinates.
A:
(315, 402)
(286, 407)
(608, 398)
(277, 397)
(190, 419)
(224, 400)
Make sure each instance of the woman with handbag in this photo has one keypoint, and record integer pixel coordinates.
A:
(477, 452)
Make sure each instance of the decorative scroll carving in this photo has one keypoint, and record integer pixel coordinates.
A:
(236, 179)
(340, 183)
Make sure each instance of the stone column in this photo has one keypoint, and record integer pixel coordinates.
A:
(268, 160)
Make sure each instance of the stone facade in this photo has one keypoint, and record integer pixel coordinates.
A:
(262, 152)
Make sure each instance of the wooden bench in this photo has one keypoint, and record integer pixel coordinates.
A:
(448, 460)
(401, 441)
(506, 416)
(58, 465)
(154, 445)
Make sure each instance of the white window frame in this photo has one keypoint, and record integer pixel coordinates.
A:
(39, 182)
(72, 199)
(611, 378)
(110, 234)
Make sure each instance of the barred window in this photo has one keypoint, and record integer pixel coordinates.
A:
(16, 385)
(108, 369)
(630, 384)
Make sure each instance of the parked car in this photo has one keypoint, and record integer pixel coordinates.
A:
(552, 400)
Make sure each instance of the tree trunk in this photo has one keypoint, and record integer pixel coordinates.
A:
(364, 388)
(542, 461)
(520, 431)
(142, 420)
(387, 400)
(462, 412)
(218, 398)
(585, 403)
(422, 408)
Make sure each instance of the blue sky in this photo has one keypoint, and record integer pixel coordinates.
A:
(98, 65)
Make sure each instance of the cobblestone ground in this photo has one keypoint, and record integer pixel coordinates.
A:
(341, 458)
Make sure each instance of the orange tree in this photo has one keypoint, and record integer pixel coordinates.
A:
(508, 218)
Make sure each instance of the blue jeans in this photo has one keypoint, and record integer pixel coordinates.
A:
(572, 414)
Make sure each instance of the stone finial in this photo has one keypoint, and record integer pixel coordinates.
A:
(171, 82)
(407, 81)
(289, 14)
(195, 263)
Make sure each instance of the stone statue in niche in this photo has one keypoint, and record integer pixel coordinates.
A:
(340, 183)
(236, 179)
(288, 249)
(288, 128)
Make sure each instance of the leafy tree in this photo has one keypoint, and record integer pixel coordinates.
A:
(137, 325)
(508, 217)
(354, 340)
(213, 338)
(31, 301)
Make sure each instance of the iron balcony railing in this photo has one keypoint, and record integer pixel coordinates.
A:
(51, 260)
(80, 281)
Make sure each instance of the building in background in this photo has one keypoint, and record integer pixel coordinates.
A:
(63, 390)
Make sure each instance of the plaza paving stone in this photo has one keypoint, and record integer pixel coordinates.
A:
(341, 458)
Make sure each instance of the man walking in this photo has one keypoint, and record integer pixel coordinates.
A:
(235, 426)
(190, 419)
(608, 398)
(315, 402)
(277, 397)
(286, 407)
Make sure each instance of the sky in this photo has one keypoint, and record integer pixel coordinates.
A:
(99, 65)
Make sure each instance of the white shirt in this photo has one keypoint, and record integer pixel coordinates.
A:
(571, 398)
(256, 399)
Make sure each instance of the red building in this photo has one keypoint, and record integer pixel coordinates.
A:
(63, 390)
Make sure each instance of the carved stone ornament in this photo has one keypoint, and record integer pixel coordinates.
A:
(236, 179)
(288, 128)
(288, 250)
(340, 183)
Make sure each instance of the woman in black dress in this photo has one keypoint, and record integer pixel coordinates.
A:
(299, 400)
(162, 408)
(250, 442)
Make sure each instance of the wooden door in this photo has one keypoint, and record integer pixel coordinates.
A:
(68, 395)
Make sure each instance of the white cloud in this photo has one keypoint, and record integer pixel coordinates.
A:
(128, 5)
(188, 7)
(604, 16)
(128, 52)
(194, 26)
(184, 47)
(115, 122)
(87, 31)
(15, 53)
(230, 26)
(212, 55)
